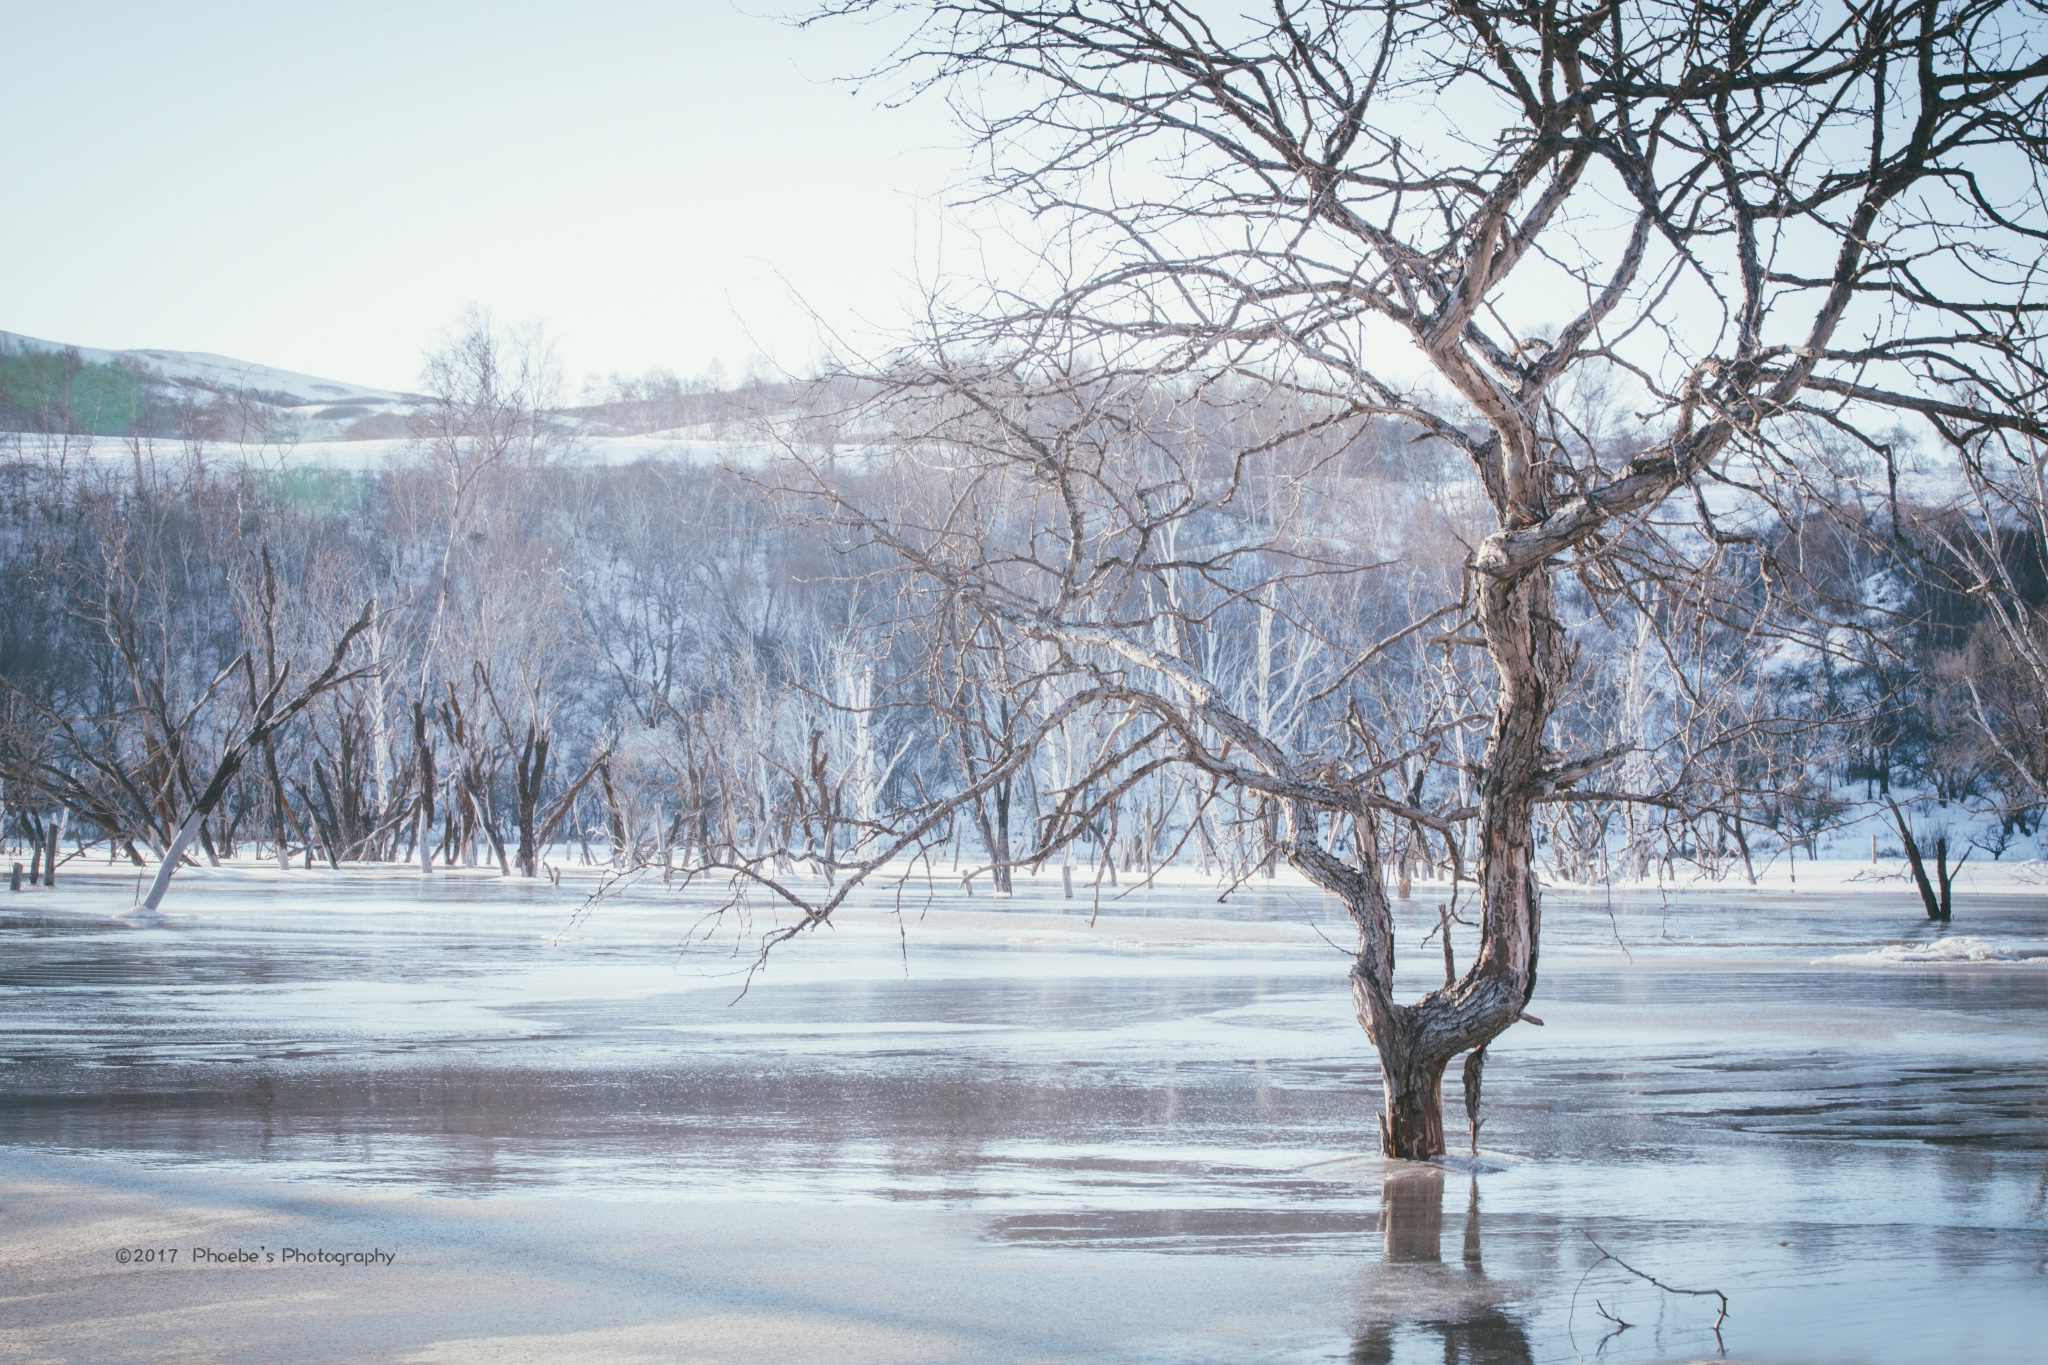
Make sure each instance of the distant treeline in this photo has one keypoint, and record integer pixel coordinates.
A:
(683, 667)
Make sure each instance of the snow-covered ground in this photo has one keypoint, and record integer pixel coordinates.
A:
(369, 456)
(596, 450)
(2013, 875)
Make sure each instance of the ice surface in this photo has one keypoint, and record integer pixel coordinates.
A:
(1145, 1138)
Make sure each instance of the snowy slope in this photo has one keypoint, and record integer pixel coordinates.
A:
(224, 374)
(314, 406)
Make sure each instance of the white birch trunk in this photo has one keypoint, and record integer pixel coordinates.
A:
(172, 857)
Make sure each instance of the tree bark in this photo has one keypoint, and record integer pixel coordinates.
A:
(172, 857)
(423, 749)
(529, 770)
(1414, 1122)
(50, 856)
(1935, 903)
(999, 851)
(280, 807)
(1416, 1042)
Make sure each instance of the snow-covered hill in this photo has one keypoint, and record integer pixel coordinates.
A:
(319, 407)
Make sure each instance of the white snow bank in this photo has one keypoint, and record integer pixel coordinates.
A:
(1963, 948)
(1486, 1163)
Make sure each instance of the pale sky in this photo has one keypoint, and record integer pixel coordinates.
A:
(326, 187)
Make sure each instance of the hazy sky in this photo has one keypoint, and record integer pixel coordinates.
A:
(326, 187)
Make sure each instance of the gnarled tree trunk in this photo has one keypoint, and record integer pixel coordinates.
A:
(1417, 1042)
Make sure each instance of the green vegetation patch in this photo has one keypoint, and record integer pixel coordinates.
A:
(318, 490)
(56, 391)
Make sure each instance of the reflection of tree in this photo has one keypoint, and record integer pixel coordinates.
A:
(1490, 1337)
(1472, 1327)
(1412, 1214)
(1472, 1260)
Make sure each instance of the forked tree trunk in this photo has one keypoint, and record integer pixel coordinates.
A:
(1936, 899)
(1416, 1042)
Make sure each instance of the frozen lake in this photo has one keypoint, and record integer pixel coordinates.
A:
(998, 1133)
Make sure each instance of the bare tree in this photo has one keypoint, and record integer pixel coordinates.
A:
(1445, 214)
(267, 712)
(488, 425)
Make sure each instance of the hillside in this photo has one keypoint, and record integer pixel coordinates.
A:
(52, 386)
(56, 387)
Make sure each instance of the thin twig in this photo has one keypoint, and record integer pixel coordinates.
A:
(1606, 1255)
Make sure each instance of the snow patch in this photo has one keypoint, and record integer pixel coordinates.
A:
(1486, 1163)
(1963, 948)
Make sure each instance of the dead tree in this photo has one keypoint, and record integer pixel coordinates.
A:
(1935, 893)
(978, 702)
(1748, 219)
(537, 817)
(266, 715)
